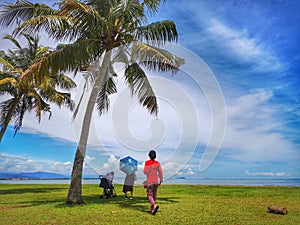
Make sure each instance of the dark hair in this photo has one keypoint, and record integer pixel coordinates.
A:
(152, 154)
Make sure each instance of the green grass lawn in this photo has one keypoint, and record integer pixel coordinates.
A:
(179, 204)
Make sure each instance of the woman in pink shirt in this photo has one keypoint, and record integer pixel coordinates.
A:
(154, 178)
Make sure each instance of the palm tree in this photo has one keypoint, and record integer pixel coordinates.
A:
(101, 32)
(26, 94)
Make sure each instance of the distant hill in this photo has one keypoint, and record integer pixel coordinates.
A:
(32, 175)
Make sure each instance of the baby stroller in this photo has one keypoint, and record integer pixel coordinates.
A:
(108, 188)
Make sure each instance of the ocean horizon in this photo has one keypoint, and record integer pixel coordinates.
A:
(288, 182)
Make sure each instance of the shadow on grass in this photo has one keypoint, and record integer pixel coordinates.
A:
(138, 203)
(142, 203)
(30, 190)
(25, 204)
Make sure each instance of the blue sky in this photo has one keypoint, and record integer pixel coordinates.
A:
(249, 54)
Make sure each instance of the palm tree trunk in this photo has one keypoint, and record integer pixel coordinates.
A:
(9, 115)
(75, 190)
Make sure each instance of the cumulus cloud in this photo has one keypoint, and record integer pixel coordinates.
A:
(89, 159)
(112, 164)
(21, 163)
(190, 171)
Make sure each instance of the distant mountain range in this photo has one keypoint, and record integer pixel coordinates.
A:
(32, 175)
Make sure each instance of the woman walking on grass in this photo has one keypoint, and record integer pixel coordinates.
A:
(153, 171)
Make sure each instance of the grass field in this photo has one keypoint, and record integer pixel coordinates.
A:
(179, 204)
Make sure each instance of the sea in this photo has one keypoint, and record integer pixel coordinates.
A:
(289, 182)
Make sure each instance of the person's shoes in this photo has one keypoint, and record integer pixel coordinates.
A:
(131, 198)
(154, 211)
(151, 209)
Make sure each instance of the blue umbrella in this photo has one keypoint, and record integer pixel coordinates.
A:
(128, 165)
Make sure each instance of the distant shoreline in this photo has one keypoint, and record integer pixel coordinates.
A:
(282, 182)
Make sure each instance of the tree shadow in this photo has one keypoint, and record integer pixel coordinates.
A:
(39, 202)
(30, 190)
(138, 203)
(40, 196)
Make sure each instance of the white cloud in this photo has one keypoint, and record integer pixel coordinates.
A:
(211, 34)
(266, 174)
(253, 132)
(89, 159)
(239, 45)
(21, 163)
(237, 41)
(190, 171)
(111, 164)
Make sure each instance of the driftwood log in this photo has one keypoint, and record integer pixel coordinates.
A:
(277, 210)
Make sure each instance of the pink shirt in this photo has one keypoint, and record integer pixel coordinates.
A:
(153, 170)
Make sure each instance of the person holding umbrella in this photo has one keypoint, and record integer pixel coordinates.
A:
(153, 171)
(128, 185)
(128, 165)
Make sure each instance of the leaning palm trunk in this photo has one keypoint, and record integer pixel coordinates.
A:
(75, 190)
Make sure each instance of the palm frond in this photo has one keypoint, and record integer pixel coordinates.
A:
(13, 40)
(57, 27)
(19, 115)
(89, 80)
(152, 5)
(8, 80)
(140, 86)
(121, 54)
(85, 17)
(109, 87)
(103, 102)
(47, 90)
(158, 33)
(128, 11)
(66, 58)
(38, 104)
(22, 10)
(4, 108)
(156, 59)
(69, 7)
(64, 82)
(6, 64)
(9, 110)
(5, 85)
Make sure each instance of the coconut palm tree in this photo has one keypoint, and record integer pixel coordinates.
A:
(26, 94)
(100, 32)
